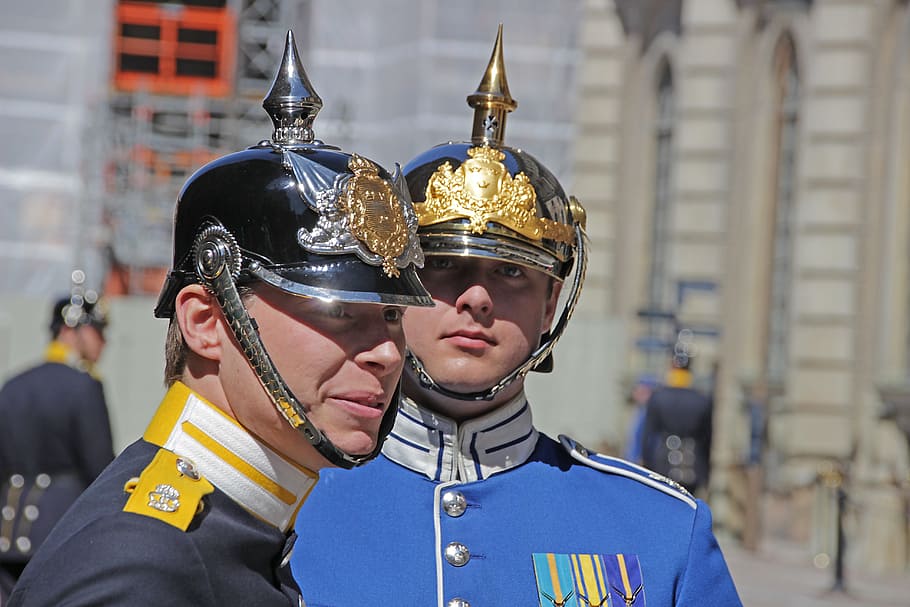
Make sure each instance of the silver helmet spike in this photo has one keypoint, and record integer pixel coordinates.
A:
(292, 103)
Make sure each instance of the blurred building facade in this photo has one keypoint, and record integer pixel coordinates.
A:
(113, 103)
(743, 163)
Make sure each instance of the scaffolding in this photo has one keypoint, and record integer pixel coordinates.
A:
(188, 84)
(110, 105)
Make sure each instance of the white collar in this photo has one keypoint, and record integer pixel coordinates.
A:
(243, 467)
(443, 450)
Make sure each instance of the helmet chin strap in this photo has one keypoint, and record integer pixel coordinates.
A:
(218, 261)
(535, 358)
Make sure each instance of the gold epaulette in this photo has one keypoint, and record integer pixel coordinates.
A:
(170, 489)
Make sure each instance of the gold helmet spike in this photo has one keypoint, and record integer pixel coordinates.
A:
(492, 101)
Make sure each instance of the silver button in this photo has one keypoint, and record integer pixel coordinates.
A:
(43, 481)
(187, 468)
(454, 503)
(457, 554)
(31, 513)
(458, 602)
(23, 544)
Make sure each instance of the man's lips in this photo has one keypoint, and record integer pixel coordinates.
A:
(360, 404)
(471, 340)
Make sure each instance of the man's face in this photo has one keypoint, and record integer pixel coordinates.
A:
(489, 316)
(90, 343)
(341, 361)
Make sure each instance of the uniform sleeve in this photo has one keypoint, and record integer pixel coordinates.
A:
(95, 443)
(707, 581)
(118, 561)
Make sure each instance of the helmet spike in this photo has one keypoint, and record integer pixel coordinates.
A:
(492, 101)
(291, 103)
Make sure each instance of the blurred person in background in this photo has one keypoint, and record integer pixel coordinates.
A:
(678, 427)
(55, 433)
(641, 392)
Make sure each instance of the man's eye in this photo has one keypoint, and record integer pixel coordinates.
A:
(335, 311)
(392, 314)
(511, 271)
(440, 263)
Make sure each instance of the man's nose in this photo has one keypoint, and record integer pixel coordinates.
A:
(475, 299)
(382, 356)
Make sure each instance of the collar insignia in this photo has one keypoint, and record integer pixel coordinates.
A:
(167, 491)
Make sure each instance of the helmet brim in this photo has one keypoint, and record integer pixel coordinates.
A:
(345, 279)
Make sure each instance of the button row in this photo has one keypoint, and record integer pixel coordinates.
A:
(456, 554)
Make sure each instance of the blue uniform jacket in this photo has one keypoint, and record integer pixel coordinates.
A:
(218, 539)
(492, 512)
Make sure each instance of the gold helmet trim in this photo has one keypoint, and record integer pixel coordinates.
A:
(481, 190)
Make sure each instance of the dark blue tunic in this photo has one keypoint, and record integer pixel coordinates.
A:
(100, 554)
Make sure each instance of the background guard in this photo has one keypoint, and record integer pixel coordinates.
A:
(55, 431)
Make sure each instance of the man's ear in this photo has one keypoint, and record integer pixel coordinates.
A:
(198, 315)
(550, 309)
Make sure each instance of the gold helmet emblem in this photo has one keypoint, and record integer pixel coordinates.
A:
(375, 213)
(481, 190)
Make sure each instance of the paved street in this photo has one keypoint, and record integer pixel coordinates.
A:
(782, 575)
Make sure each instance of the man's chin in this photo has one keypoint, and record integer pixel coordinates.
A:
(356, 445)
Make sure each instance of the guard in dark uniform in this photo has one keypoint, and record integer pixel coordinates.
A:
(292, 264)
(469, 504)
(55, 434)
(677, 431)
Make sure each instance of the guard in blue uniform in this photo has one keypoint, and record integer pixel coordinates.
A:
(469, 504)
(292, 264)
(55, 433)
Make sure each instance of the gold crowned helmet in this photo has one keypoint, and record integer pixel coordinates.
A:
(485, 199)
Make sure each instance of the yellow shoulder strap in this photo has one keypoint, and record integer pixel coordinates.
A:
(169, 489)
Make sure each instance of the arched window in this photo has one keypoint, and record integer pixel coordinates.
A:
(786, 115)
(659, 294)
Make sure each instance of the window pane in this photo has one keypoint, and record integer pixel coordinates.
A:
(779, 302)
